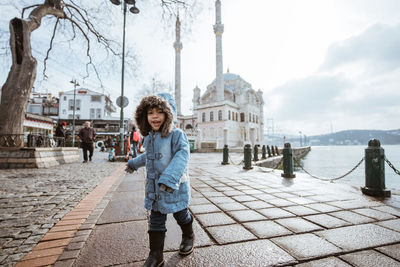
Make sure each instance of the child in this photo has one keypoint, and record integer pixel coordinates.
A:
(167, 185)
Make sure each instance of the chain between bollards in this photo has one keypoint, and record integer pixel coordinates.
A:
(391, 166)
(328, 179)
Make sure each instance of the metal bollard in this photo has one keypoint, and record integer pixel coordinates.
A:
(277, 151)
(273, 151)
(255, 157)
(375, 170)
(247, 157)
(264, 156)
(225, 155)
(269, 152)
(288, 166)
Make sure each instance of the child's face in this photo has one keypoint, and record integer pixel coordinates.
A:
(156, 118)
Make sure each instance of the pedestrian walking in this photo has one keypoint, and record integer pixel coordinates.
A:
(135, 139)
(167, 183)
(61, 133)
(87, 135)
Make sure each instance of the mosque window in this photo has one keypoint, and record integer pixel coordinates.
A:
(203, 117)
(256, 119)
(237, 116)
(229, 115)
(220, 115)
(249, 117)
(242, 117)
(211, 116)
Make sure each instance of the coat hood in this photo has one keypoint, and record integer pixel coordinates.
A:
(163, 101)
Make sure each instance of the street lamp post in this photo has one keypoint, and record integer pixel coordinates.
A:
(73, 112)
(133, 10)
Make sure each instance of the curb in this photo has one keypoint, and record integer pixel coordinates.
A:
(61, 245)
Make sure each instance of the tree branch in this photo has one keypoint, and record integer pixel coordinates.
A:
(28, 7)
(48, 50)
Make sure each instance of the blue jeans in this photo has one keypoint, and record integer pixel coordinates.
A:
(157, 219)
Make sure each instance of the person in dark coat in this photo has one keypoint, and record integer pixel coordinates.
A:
(87, 135)
(61, 133)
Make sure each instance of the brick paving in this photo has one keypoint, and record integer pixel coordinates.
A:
(32, 201)
(242, 218)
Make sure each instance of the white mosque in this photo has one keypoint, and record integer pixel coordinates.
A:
(230, 111)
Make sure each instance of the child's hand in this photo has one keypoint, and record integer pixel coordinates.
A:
(128, 169)
(163, 187)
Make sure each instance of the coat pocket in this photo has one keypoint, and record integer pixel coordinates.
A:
(170, 197)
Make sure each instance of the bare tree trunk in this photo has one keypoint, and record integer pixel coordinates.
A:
(17, 88)
(19, 83)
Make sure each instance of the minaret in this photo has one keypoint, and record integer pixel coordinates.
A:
(219, 30)
(178, 48)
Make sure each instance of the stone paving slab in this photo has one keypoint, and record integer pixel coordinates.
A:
(306, 246)
(256, 253)
(330, 261)
(369, 258)
(225, 234)
(392, 251)
(360, 236)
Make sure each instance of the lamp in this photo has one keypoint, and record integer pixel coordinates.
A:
(73, 112)
(133, 10)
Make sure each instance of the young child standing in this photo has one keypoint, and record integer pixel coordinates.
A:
(167, 185)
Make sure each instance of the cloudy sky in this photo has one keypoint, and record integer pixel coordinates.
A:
(323, 65)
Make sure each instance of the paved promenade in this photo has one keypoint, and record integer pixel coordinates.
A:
(242, 218)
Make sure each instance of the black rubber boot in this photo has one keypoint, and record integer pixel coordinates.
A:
(155, 258)
(187, 244)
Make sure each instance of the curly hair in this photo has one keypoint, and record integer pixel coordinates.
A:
(149, 102)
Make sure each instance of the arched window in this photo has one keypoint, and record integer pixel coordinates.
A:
(211, 116)
(188, 126)
(229, 115)
(249, 117)
(256, 118)
(220, 115)
(203, 117)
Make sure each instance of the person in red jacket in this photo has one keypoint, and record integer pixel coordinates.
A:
(87, 135)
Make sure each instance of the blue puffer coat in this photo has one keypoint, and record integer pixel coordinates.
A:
(166, 159)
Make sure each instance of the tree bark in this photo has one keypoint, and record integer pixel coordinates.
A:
(19, 83)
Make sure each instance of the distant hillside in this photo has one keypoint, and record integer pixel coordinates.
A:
(356, 137)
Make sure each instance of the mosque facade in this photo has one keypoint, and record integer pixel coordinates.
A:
(230, 111)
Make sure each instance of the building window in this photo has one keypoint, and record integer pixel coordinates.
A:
(256, 119)
(71, 104)
(92, 113)
(229, 115)
(249, 117)
(96, 98)
(65, 98)
(242, 117)
(64, 111)
(211, 116)
(203, 117)
(237, 116)
(98, 113)
(78, 104)
(220, 115)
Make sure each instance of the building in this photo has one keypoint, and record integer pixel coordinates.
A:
(230, 111)
(43, 104)
(89, 106)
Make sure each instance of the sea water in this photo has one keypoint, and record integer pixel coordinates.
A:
(334, 161)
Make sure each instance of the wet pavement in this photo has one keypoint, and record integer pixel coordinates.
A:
(33, 200)
(242, 218)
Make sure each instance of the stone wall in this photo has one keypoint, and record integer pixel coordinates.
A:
(298, 152)
(14, 158)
